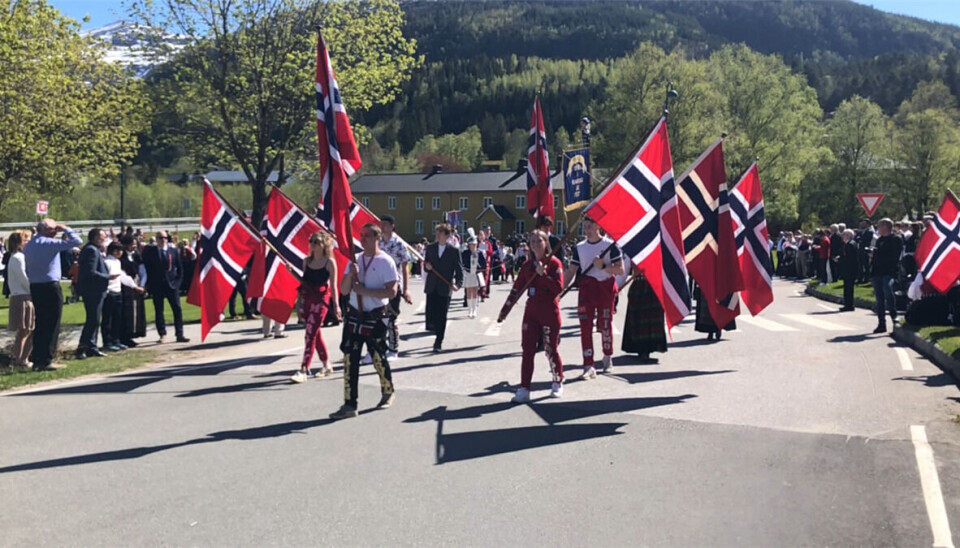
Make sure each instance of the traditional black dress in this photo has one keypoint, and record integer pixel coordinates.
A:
(132, 304)
(643, 331)
(704, 321)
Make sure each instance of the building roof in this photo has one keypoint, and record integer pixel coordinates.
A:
(500, 211)
(237, 177)
(444, 182)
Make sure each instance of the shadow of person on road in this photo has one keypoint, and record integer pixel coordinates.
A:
(639, 378)
(933, 381)
(255, 433)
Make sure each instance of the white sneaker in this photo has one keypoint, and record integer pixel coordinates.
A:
(522, 396)
(589, 373)
(298, 377)
(366, 360)
(608, 364)
(556, 390)
(392, 356)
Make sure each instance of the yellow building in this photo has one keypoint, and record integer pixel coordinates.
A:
(419, 202)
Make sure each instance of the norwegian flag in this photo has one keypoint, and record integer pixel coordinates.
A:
(639, 211)
(287, 228)
(539, 188)
(339, 157)
(711, 252)
(226, 244)
(753, 242)
(938, 254)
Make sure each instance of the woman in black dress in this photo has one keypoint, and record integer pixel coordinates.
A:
(644, 330)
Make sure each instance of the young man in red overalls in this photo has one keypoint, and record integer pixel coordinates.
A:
(598, 261)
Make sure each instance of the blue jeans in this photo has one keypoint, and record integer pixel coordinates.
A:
(883, 293)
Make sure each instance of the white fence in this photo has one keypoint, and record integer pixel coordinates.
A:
(147, 225)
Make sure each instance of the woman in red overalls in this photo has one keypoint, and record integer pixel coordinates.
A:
(318, 294)
(541, 317)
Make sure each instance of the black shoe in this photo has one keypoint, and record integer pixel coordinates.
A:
(94, 352)
(709, 336)
(345, 412)
(129, 344)
(182, 339)
(79, 354)
(437, 348)
(880, 329)
(847, 309)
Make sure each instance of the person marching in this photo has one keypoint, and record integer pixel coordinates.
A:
(392, 245)
(643, 330)
(371, 277)
(541, 317)
(318, 289)
(444, 277)
(598, 260)
(474, 263)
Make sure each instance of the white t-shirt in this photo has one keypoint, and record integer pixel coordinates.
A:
(17, 275)
(114, 267)
(375, 272)
(585, 252)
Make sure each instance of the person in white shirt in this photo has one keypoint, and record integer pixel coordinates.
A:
(599, 261)
(371, 281)
(111, 322)
(22, 315)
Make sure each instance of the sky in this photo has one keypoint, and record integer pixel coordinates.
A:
(102, 12)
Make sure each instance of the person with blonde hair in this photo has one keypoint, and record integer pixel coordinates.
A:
(542, 276)
(318, 289)
(22, 316)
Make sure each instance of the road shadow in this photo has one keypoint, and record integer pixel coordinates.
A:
(455, 361)
(629, 359)
(138, 379)
(639, 378)
(217, 345)
(857, 338)
(256, 433)
(234, 388)
(487, 443)
(695, 342)
(933, 381)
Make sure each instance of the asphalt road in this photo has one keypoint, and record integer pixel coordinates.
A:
(799, 429)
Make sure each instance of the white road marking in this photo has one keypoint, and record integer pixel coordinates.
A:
(904, 359)
(930, 482)
(486, 320)
(764, 323)
(817, 322)
(826, 307)
(613, 327)
(421, 307)
(493, 330)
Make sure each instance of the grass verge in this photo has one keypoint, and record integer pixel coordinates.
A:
(946, 337)
(15, 377)
(860, 291)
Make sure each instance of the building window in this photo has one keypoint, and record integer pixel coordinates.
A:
(556, 202)
(391, 202)
(463, 227)
(435, 203)
(434, 225)
(487, 201)
(496, 227)
(365, 201)
(521, 226)
(464, 203)
(419, 203)
(418, 226)
(561, 228)
(521, 202)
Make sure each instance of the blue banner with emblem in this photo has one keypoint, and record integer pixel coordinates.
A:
(454, 218)
(576, 178)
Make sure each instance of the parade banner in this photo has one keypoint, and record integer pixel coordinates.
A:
(576, 178)
(454, 218)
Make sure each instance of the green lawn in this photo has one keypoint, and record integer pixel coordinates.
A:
(112, 363)
(73, 313)
(860, 291)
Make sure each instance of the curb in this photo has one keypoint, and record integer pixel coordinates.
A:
(927, 349)
(857, 302)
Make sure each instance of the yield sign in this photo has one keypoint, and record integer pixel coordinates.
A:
(870, 201)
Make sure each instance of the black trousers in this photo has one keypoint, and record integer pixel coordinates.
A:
(437, 307)
(241, 291)
(173, 297)
(393, 332)
(48, 303)
(112, 318)
(848, 284)
(353, 349)
(93, 306)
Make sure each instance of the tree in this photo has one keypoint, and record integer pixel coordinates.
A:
(64, 113)
(928, 157)
(856, 137)
(243, 86)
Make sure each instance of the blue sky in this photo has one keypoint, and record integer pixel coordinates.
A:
(102, 12)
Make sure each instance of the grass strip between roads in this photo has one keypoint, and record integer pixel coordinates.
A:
(947, 337)
(16, 377)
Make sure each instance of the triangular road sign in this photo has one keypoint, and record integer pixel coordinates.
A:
(870, 201)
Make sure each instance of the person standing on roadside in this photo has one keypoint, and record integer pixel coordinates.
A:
(42, 258)
(391, 244)
(94, 277)
(883, 272)
(164, 276)
(849, 265)
(22, 315)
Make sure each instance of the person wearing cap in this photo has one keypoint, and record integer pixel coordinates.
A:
(598, 261)
(474, 264)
